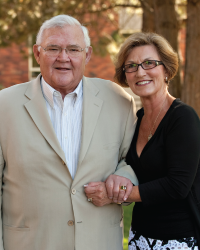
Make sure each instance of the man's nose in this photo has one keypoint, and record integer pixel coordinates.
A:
(63, 55)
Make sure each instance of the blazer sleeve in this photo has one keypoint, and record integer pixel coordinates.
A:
(1, 174)
(122, 168)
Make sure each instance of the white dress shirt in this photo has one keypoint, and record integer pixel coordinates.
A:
(66, 118)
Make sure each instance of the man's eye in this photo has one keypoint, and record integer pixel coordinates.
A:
(73, 49)
(52, 49)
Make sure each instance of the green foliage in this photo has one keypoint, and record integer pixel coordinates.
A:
(127, 223)
(1, 87)
(21, 18)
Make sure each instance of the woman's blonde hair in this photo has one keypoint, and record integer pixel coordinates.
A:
(167, 55)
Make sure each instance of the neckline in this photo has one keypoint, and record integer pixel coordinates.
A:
(156, 131)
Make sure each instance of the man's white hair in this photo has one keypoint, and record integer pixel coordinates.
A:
(62, 21)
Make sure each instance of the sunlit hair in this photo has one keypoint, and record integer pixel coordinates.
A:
(166, 53)
(61, 21)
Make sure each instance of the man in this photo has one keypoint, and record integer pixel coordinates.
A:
(58, 133)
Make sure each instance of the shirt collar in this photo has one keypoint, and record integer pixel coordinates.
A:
(48, 91)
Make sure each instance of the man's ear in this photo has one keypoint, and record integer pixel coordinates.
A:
(36, 53)
(88, 54)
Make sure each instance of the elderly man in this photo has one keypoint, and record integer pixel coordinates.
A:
(58, 133)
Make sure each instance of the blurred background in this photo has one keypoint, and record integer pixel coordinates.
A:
(109, 23)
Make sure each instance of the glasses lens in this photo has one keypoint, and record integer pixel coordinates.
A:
(74, 50)
(54, 50)
(131, 67)
(149, 64)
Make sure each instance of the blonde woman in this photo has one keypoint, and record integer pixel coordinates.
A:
(165, 149)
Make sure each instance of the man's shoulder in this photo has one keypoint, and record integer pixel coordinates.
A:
(107, 87)
(14, 90)
(14, 95)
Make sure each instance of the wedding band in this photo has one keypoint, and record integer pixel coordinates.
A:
(119, 203)
(123, 188)
(89, 199)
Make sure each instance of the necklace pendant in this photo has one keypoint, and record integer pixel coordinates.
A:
(149, 137)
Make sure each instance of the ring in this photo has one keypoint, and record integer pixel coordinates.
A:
(89, 199)
(123, 188)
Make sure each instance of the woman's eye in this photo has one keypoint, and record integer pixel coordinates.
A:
(133, 65)
(148, 62)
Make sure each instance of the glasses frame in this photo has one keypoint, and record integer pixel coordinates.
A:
(140, 64)
(66, 50)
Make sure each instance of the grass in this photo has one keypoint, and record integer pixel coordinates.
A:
(127, 223)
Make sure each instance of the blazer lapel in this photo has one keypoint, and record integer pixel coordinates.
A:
(36, 107)
(91, 109)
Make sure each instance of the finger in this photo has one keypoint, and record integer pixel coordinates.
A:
(91, 190)
(129, 188)
(92, 184)
(116, 191)
(109, 188)
(121, 195)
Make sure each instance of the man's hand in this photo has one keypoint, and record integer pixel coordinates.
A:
(113, 184)
(97, 191)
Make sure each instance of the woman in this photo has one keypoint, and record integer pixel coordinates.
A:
(165, 149)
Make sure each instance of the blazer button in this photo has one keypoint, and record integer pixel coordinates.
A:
(63, 163)
(73, 191)
(70, 223)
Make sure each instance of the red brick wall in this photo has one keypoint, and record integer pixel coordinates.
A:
(101, 67)
(13, 65)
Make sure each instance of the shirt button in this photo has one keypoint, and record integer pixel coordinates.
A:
(70, 223)
(73, 191)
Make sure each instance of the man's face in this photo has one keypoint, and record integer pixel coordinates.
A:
(62, 72)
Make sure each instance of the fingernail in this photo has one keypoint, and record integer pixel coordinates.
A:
(85, 185)
(125, 199)
(110, 198)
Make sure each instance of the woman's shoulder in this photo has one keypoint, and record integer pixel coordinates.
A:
(182, 114)
(181, 109)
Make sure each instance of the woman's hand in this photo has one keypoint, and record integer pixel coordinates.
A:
(113, 184)
(96, 192)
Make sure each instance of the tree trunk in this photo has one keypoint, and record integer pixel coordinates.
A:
(148, 18)
(191, 90)
(167, 25)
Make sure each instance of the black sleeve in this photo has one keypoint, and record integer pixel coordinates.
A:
(182, 150)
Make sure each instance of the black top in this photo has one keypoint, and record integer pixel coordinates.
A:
(166, 170)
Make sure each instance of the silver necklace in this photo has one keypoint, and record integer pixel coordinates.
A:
(150, 133)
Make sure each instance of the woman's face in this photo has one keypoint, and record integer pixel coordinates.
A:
(146, 83)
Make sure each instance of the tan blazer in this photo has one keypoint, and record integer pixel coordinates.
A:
(43, 208)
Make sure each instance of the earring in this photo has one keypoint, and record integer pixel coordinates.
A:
(166, 79)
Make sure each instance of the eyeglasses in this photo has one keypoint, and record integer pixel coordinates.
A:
(149, 64)
(55, 50)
